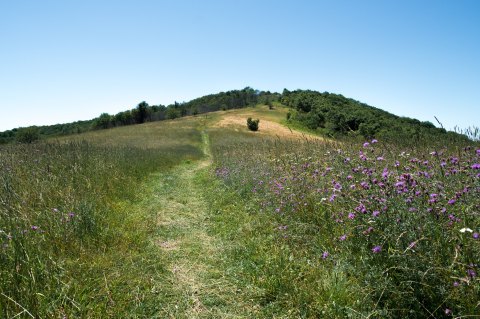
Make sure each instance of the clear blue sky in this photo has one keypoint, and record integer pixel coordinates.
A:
(62, 61)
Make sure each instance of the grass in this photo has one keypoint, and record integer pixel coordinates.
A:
(192, 219)
(76, 223)
(345, 230)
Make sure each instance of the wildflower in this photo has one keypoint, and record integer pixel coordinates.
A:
(34, 227)
(351, 215)
(451, 202)
(366, 144)
(325, 254)
(448, 311)
(343, 237)
(380, 158)
(364, 185)
(478, 152)
(368, 231)
(475, 236)
(55, 210)
(476, 166)
(377, 249)
(465, 230)
(456, 284)
(71, 214)
(374, 141)
(385, 173)
(376, 213)
(471, 273)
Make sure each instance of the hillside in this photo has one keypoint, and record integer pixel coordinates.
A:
(198, 217)
(326, 114)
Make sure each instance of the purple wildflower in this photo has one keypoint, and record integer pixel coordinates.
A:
(376, 213)
(448, 311)
(351, 215)
(476, 166)
(456, 284)
(377, 249)
(34, 227)
(475, 236)
(325, 255)
(374, 141)
(471, 273)
(343, 237)
(366, 144)
(451, 202)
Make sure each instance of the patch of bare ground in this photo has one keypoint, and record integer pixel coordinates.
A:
(266, 127)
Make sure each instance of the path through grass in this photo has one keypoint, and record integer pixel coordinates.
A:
(200, 287)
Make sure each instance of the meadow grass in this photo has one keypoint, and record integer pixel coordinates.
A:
(76, 223)
(128, 222)
(345, 230)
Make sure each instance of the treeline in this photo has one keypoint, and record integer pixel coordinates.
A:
(335, 115)
(144, 112)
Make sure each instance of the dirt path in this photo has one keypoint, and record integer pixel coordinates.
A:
(202, 290)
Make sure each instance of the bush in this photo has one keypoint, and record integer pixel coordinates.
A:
(27, 135)
(252, 124)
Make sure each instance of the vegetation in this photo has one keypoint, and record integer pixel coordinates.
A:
(188, 218)
(334, 115)
(252, 124)
(74, 227)
(341, 230)
(325, 113)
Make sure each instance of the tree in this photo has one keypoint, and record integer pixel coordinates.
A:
(104, 121)
(141, 114)
(27, 135)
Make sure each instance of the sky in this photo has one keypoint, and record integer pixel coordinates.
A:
(63, 61)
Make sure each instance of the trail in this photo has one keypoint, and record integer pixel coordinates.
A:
(201, 288)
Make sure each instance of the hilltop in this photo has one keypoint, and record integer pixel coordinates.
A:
(327, 114)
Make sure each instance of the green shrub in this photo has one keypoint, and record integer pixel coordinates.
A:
(252, 124)
(27, 135)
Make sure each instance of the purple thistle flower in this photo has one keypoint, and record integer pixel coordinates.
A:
(366, 144)
(471, 273)
(475, 236)
(343, 237)
(374, 141)
(325, 254)
(351, 215)
(451, 202)
(476, 166)
(376, 213)
(377, 249)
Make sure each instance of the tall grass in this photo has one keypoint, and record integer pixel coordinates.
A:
(351, 230)
(71, 240)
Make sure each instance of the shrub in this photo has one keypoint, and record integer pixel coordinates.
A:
(27, 135)
(252, 124)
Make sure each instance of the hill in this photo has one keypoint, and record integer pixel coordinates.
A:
(327, 114)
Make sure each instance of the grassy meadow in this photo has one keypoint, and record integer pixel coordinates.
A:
(75, 232)
(200, 218)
